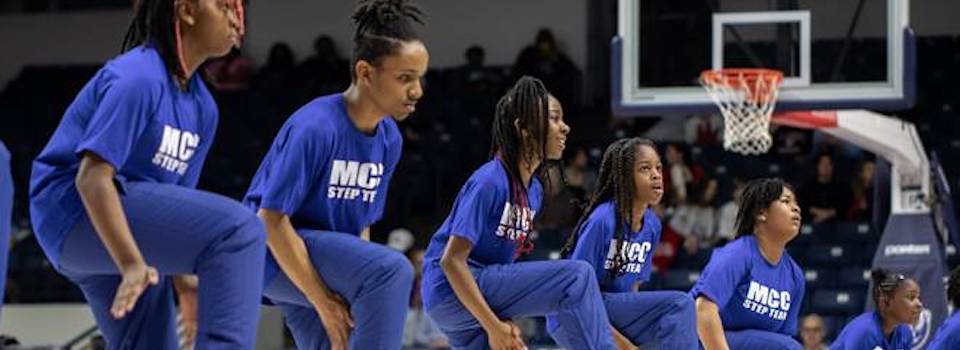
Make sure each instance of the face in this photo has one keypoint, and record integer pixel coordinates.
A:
(395, 82)
(782, 216)
(557, 130)
(647, 175)
(905, 305)
(867, 171)
(212, 24)
(825, 167)
(812, 331)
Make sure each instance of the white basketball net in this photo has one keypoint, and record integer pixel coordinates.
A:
(746, 98)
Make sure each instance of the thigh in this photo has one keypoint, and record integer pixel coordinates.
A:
(172, 226)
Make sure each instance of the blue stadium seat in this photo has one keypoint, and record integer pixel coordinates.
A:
(820, 278)
(854, 278)
(830, 255)
(838, 301)
(855, 232)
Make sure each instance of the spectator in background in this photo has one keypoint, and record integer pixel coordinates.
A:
(727, 214)
(703, 130)
(474, 80)
(696, 220)
(324, 72)
(823, 198)
(677, 176)
(812, 333)
(544, 60)
(861, 205)
(276, 77)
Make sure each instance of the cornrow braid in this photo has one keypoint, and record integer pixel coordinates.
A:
(382, 26)
(885, 283)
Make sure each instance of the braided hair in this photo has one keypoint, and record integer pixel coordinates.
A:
(519, 133)
(155, 21)
(382, 26)
(885, 283)
(615, 182)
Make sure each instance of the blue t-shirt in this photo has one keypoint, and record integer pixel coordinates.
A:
(750, 292)
(865, 332)
(324, 173)
(134, 116)
(597, 246)
(948, 335)
(484, 215)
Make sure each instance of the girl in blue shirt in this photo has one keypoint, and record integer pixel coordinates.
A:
(749, 294)
(323, 183)
(898, 306)
(471, 287)
(948, 335)
(617, 236)
(113, 199)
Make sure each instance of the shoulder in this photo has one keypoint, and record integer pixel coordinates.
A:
(141, 68)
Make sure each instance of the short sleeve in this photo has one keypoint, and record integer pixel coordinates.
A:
(124, 108)
(293, 171)
(721, 276)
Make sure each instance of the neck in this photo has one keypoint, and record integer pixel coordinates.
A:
(889, 324)
(526, 170)
(193, 57)
(362, 112)
(639, 207)
(771, 249)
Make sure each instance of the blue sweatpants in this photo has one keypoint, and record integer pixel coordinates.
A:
(179, 231)
(760, 340)
(6, 212)
(373, 279)
(665, 317)
(530, 289)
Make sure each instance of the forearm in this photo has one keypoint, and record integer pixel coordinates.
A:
(709, 326)
(466, 289)
(94, 183)
(291, 254)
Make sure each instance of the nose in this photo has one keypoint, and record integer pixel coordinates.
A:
(416, 92)
(564, 128)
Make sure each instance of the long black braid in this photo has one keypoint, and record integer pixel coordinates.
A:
(616, 183)
(154, 21)
(381, 27)
(523, 109)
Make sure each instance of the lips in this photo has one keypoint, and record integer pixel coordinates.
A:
(410, 106)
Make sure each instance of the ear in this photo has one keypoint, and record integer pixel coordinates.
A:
(363, 71)
(187, 12)
(762, 215)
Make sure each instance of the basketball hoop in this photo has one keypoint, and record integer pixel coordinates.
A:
(746, 97)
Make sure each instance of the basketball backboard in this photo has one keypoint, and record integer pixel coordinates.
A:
(837, 54)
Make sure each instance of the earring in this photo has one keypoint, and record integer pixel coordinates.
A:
(763, 218)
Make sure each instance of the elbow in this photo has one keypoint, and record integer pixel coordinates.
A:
(448, 263)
